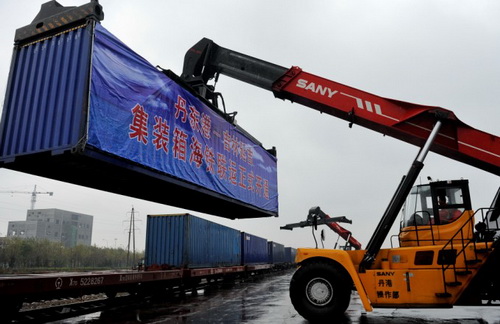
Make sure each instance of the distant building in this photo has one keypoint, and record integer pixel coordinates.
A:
(56, 225)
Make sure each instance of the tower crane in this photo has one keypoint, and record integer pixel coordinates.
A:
(33, 194)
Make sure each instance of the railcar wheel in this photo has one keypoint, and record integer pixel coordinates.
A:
(320, 291)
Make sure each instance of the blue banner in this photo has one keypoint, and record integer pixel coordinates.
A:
(138, 113)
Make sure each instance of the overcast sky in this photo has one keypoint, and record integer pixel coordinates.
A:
(441, 53)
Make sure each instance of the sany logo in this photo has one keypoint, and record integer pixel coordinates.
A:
(328, 92)
(311, 86)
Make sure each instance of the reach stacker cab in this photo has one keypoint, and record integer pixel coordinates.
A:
(435, 204)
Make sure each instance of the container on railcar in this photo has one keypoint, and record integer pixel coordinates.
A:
(254, 249)
(187, 241)
(276, 252)
(290, 254)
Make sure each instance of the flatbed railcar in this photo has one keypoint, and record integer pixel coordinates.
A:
(151, 278)
(18, 289)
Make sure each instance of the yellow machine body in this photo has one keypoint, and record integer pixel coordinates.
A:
(421, 273)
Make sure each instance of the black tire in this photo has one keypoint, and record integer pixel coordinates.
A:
(320, 291)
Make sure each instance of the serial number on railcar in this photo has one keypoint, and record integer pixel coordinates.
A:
(87, 281)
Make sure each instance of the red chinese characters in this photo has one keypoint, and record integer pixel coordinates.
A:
(206, 126)
(232, 172)
(161, 134)
(196, 155)
(243, 176)
(237, 147)
(139, 126)
(221, 166)
(193, 143)
(180, 109)
(180, 144)
(209, 159)
(194, 118)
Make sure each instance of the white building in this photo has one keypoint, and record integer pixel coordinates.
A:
(56, 225)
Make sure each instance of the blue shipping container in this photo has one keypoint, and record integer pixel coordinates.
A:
(253, 249)
(290, 254)
(82, 107)
(276, 252)
(187, 241)
(47, 95)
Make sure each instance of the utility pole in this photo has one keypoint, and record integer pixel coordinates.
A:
(131, 233)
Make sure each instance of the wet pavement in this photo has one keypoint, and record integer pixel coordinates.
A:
(266, 300)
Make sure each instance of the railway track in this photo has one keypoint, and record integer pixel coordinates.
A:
(53, 310)
(67, 308)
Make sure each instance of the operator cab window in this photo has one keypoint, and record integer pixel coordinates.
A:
(437, 203)
(449, 204)
(417, 209)
(450, 200)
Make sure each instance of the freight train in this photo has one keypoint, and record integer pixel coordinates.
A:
(187, 241)
(183, 253)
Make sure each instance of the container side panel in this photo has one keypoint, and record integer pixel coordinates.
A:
(190, 242)
(289, 257)
(149, 251)
(196, 237)
(254, 249)
(46, 98)
(270, 252)
(139, 114)
(163, 244)
(294, 254)
(179, 246)
(151, 248)
(276, 252)
(279, 253)
(225, 245)
(166, 253)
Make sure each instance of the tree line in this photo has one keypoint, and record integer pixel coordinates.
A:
(27, 255)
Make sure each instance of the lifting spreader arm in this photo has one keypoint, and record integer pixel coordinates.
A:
(317, 217)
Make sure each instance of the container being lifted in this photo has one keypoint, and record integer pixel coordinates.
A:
(82, 107)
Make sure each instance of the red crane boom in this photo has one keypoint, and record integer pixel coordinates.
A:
(409, 122)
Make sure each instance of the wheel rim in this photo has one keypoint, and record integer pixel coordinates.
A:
(319, 291)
